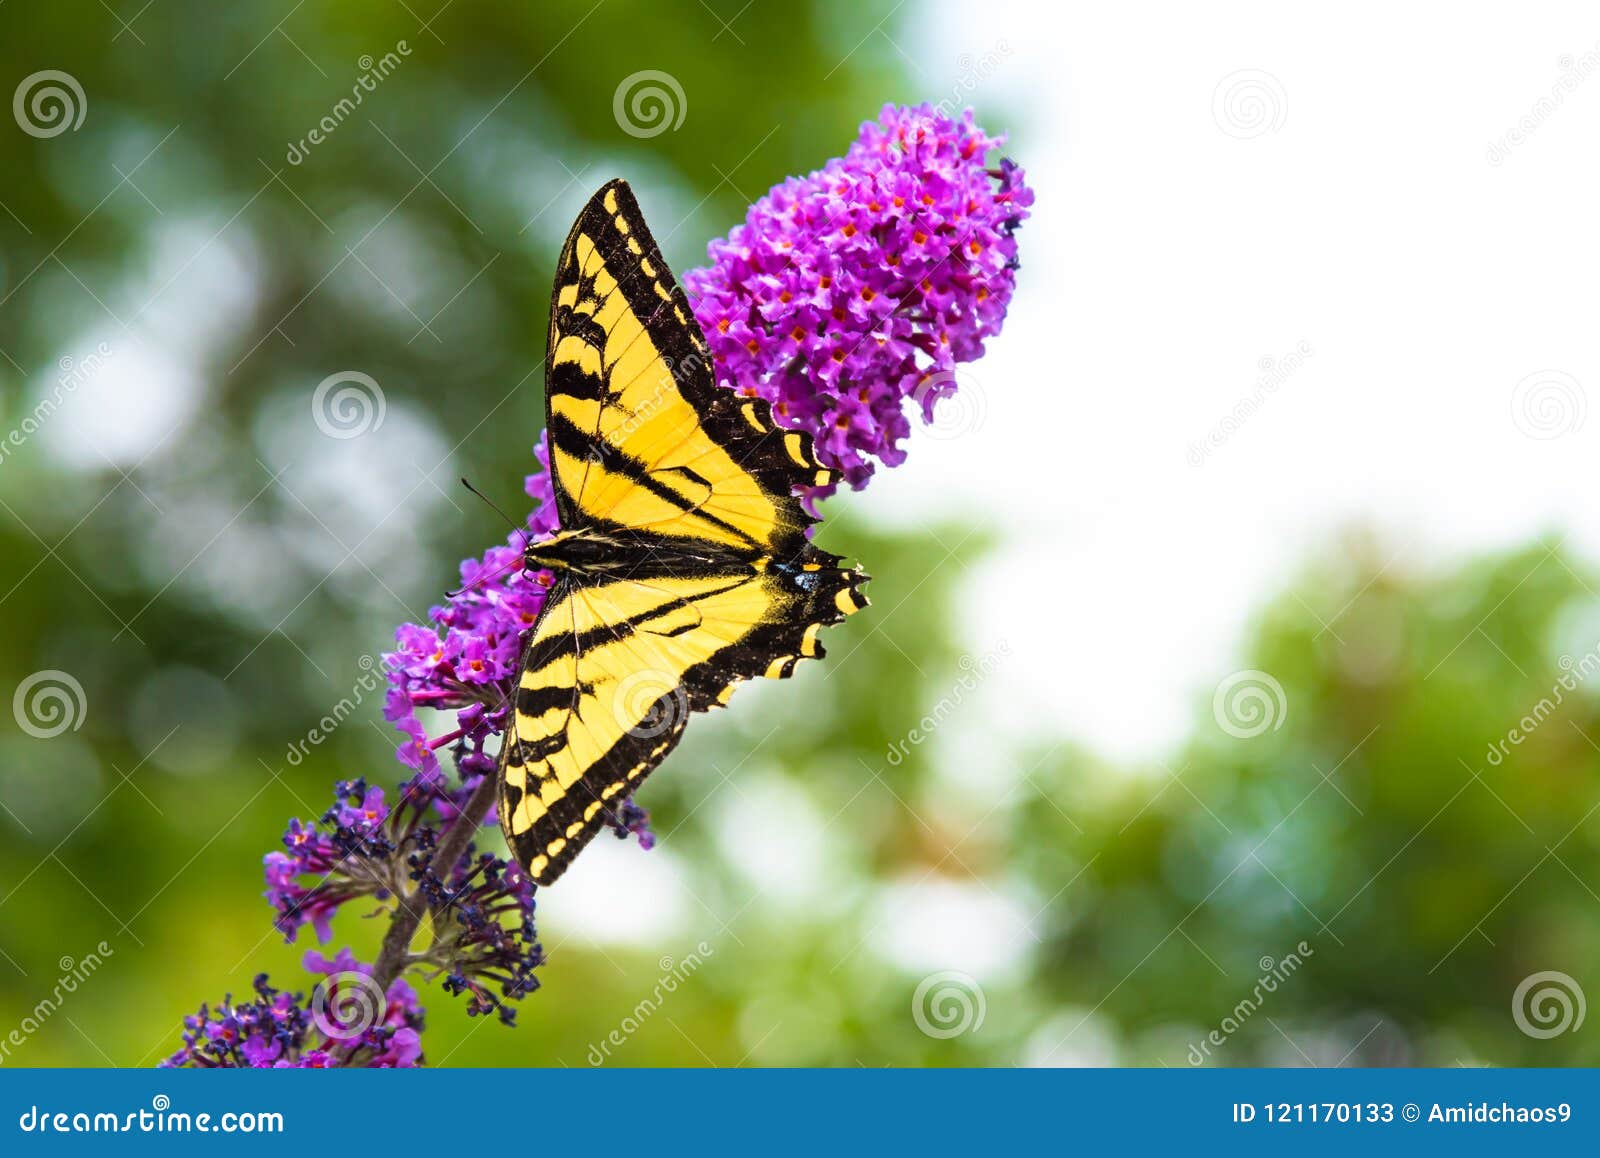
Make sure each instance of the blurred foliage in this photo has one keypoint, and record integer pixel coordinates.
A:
(1387, 819)
(181, 539)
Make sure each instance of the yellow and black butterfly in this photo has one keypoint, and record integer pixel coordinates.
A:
(682, 565)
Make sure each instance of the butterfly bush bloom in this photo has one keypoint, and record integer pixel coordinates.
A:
(279, 1030)
(851, 291)
(484, 941)
(844, 296)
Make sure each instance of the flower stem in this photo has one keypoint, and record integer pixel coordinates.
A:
(410, 906)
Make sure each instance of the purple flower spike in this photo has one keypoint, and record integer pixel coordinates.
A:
(281, 1031)
(852, 290)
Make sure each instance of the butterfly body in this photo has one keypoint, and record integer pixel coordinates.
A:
(684, 563)
(618, 553)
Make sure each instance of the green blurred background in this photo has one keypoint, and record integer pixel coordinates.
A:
(215, 573)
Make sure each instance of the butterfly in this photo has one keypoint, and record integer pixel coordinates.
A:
(682, 565)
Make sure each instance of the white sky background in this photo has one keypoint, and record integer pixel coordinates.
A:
(1166, 258)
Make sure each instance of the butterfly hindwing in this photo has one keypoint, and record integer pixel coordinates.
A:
(709, 578)
(613, 669)
(569, 753)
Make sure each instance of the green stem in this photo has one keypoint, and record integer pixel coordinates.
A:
(410, 907)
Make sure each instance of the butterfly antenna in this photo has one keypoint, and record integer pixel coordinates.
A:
(509, 521)
(513, 525)
(485, 579)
